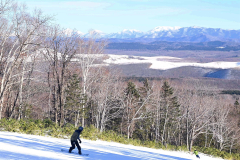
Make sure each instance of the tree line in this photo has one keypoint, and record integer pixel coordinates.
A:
(164, 45)
(46, 73)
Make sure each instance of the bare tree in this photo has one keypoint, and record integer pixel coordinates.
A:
(60, 49)
(5, 6)
(22, 36)
(133, 103)
(223, 127)
(89, 53)
(107, 98)
(198, 112)
(157, 99)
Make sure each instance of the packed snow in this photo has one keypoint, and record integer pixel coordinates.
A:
(165, 62)
(17, 146)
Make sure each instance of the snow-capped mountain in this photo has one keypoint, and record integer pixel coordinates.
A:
(175, 34)
(192, 34)
(126, 33)
(96, 32)
(164, 28)
(70, 31)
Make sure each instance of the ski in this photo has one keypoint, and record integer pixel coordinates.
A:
(65, 150)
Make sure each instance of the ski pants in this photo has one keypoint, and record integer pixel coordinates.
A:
(73, 143)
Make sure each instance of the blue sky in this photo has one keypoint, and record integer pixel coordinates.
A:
(115, 15)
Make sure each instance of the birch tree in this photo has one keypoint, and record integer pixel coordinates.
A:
(89, 53)
(198, 113)
(107, 97)
(224, 129)
(133, 105)
(21, 34)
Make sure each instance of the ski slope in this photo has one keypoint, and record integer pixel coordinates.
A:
(15, 146)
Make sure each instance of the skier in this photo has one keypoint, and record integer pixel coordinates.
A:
(74, 141)
(196, 153)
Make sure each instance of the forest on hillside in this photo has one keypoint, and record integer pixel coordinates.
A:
(46, 73)
(164, 45)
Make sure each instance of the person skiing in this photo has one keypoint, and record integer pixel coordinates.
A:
(74, 141)
(196, 153)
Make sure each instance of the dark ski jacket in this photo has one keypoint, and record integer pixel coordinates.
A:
(76, 135)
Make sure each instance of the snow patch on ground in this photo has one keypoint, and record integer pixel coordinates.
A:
(164, 62)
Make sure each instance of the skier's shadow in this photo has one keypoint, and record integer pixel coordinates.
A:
(31, 143)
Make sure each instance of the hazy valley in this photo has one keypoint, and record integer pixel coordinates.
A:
(190, 63)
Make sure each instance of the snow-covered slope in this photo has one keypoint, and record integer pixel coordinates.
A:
(17, 146)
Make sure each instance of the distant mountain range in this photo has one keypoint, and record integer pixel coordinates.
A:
(174, 34)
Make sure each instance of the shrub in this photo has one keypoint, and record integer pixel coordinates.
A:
(90, 133)
(47, 123)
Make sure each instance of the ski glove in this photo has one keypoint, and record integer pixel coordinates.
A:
(80, 141)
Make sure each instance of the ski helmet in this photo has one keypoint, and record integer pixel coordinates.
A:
(80, 128)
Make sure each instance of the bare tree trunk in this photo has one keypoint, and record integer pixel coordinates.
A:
(187, 128)
(77, 118)
(157, 124)
(164, 137)
(206, 136)
(55, 104)
(20, 93)
(128, 131)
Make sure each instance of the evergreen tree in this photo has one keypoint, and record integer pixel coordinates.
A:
(131, 91)
(236, 103)
(143, 126)
(74, 99)
(131, 99)
(170, 112)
